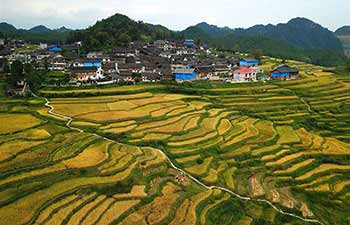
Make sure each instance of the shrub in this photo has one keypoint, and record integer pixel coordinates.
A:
(200, 161)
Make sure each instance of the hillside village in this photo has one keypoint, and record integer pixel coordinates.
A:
(162, 60)
(156, 122)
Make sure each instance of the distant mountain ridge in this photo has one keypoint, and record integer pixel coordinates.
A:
(63, 29)
(214, 30)
(345, 30)
(40, 29)
(35, 34)
(300, 32)
(299, 39)
(9, 28)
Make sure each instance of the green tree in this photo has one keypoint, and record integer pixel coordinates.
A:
(17, 69)
(124, 39)
(16, 72)
(134, 34)
(348, 66)
(257, 53)
(102, 37)
(237, 48)
(259, 76)
(7, 67)
(36, 79)
(199, 42)
(46, 65)
(28, 70)
(200, 161)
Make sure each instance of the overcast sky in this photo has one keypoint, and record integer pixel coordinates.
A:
(174, 14)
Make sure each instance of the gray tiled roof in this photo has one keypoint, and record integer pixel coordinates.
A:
(184, 70)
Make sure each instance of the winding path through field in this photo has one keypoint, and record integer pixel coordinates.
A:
(307, 104)
(244, 198)
(309, 108)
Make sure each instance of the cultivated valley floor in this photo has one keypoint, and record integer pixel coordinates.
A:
(262, 153)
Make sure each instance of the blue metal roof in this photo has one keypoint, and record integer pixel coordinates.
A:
(277, 74)
(55, 49)
(92, 63)
(189, 42)
(185, 76)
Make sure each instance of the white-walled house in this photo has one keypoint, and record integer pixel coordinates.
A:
(244, 75)
(83, 74)
(43, 46)
(57, 63)
(94, 55)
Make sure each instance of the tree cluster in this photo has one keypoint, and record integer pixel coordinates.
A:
(27, 72)
(118, 30)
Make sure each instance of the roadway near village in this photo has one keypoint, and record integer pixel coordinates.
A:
(187, 154)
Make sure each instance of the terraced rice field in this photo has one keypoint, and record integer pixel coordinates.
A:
(284, 142)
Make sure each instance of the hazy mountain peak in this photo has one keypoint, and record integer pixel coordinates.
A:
(6, 27)
(63, 29)
(39, 29)
(205, 25)
(301, 22)
(345, 30)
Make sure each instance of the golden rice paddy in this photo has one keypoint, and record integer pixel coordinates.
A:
(287, 135)
(15, 122)
(200, 169)
(224, 136)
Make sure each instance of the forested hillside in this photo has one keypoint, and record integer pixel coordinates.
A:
(313, 43)
(119, 30)
(228, 39)
(299, 39)
(299, 32)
